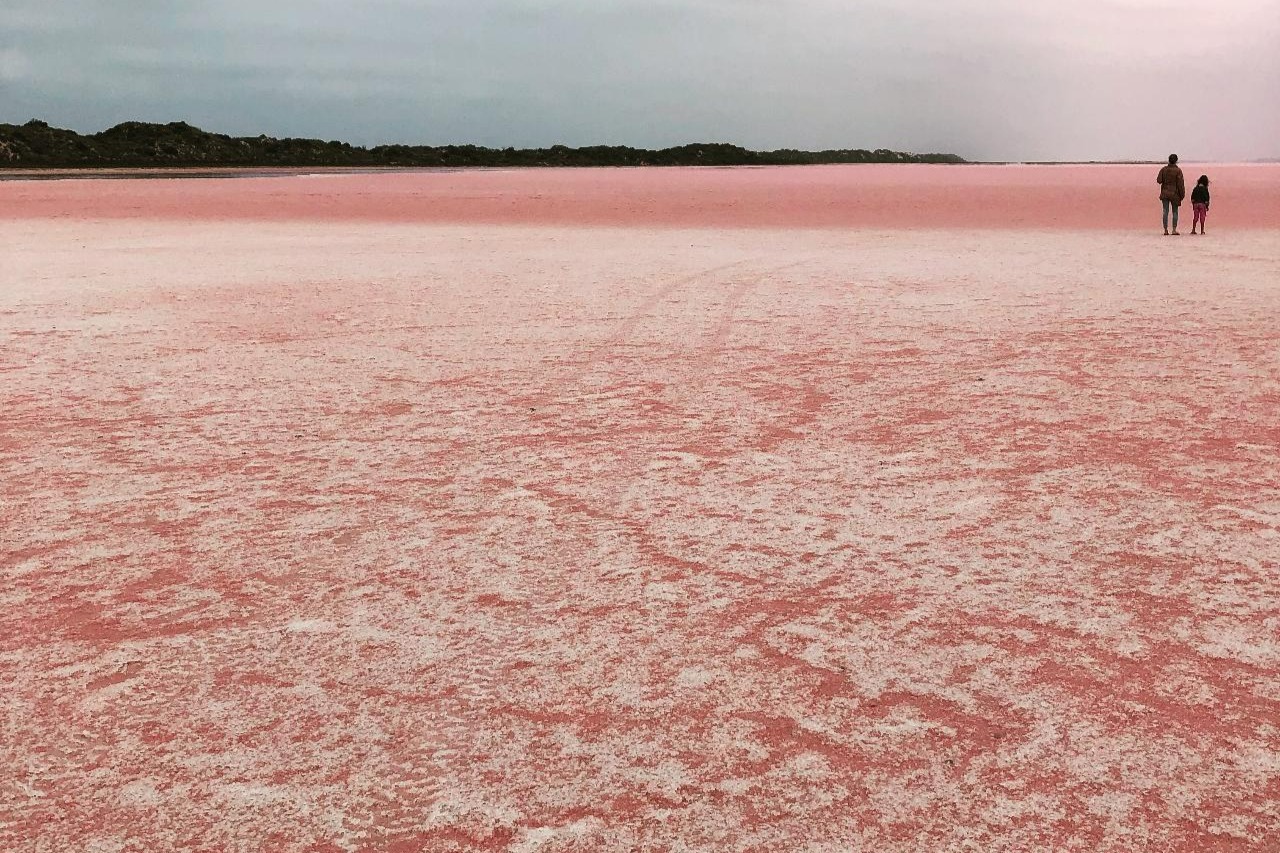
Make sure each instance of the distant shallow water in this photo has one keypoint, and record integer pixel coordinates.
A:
(837, 196)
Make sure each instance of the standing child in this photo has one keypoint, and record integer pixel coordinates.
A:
(1200, 203)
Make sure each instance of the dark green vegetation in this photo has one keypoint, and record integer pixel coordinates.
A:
(178, 144)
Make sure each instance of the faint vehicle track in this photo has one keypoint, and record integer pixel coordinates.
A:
(627, 327)
(719, 334)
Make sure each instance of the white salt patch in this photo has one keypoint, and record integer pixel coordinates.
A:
(910, 728)
(308, 690)
(1131, 647)
(695, 676)
(249, 794)
(309, 626)
(802, 629)
(817, 726)
(534, 839)
(105, 845)
(1113, 805)
(809, 765)
(140, 792)
(815, 654)
(1005, 810)
(629, 694)
(662, 591)
(1257, 762)
(667, 778)
(372, 634)
(539, 837)
(736, 787)
(99, 699)
(1235, 826)
(337, 824)
(1234, 642)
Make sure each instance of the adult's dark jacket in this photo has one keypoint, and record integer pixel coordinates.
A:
(1172, 185)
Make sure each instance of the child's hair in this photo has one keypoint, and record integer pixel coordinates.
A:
(1204, 179)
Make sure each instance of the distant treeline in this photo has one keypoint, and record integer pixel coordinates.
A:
(178, 144)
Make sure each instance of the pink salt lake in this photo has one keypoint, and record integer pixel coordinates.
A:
(822, 509)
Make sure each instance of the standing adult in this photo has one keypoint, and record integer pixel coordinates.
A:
(1173, 189)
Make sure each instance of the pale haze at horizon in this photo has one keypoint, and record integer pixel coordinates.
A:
(1007, 79)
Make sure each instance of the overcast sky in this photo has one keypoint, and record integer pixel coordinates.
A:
(988, 79)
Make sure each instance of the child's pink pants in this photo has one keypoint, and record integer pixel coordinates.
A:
(1198, 213)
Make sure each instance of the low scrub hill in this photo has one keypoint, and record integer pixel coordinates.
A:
(178, 144)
